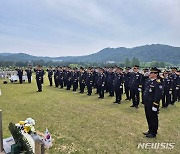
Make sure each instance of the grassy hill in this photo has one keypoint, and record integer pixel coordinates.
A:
(84, 124)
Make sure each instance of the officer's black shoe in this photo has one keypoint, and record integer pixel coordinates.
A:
(132, 106)
(89, 94)
(127, 99)
(119, 102)
(150, 136)
(101, 97)
(146, 133)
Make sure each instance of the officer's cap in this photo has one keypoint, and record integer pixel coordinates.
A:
(174, 68)
(154, 70)
(128, 68)
(119, 68)
(166, 71)
(136, 66)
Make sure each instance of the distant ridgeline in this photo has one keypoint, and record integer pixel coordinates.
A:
(145, 55)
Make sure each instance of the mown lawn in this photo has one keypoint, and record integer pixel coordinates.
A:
(84, 124)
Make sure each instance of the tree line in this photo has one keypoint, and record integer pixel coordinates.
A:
(127, 63)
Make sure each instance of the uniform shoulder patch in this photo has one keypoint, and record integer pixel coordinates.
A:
(158, 80)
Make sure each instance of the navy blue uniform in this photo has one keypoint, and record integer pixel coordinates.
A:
(29, 74)
(56, 81)
(143, 81)
(82, 78)
(126, 85)
(166, 97)
(74, 77)
(134, 85)
(151, 98)
(118, 86)
(69, 81)
(50, 74)
(174, 79)
(60, 75)
(110, 79)
(20, 74)
(89, 82)
(39, 75)
(101, 84)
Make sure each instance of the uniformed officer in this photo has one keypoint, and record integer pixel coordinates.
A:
(174, 79)
(56, 81)
(89, 81)
(39, 75)
(50, 74)
(118, 84)
(60, 75)
(82, 78)
(151, 98)
(29, 74)
(74, 77)
(167, 89)
(126, 83)
(20, 74)
(110, 79)
(145, 76)
(69, 80)
(65, 76)
(134, 85)
(101, 83)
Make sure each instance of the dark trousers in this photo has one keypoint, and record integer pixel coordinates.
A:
(127, 92)
(166, 98)
(39, 84)
(75, 85)
(101, 91)
(152, 120)
(174, 95)
(20, 79)
(56, 83)
(42, 80)
(50, 81)
(118, 92)
(82, 86)
(61, 83)
(89, 88)
(68, 84)
(110, 89)
(29, 79)
(97, 88)
(135, 96)
(65, 82)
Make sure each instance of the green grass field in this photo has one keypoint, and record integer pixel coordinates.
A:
(85, 124)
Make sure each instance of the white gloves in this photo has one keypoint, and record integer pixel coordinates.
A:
(170, 92)
(139, 89)
(154, 109)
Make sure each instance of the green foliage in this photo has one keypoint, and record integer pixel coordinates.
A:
(19, 139)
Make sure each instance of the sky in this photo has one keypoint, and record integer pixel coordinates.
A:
(80, 27)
